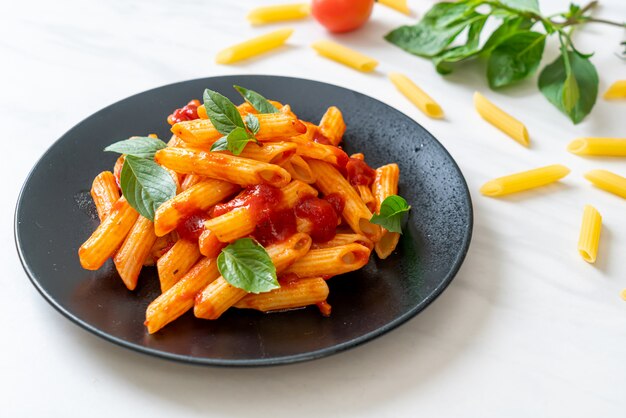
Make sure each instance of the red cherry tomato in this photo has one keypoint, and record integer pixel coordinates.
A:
(342, 15)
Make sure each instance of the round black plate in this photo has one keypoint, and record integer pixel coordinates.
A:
(55, 215)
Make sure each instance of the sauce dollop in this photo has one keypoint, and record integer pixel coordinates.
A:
(260, 198)
(337, 201)
(322, 216)
(359, 173)
(275, 226)
(192, 226)
(187, 112)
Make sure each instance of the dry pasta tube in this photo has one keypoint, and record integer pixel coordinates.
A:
(253, 47)
(345, 56)
(610, 147)
(176, 263)
(107, 238)
(136, 247)
(399, 5)
(299, 169)
(500, 119)
(416, 95)
(524, 181)
(105, 193)
(608, 181)
(290, 295)
(278, 13)
(179, 298)
(332, 125)
(617, 91)
(220, 295)
(331, 261)
(590, 234)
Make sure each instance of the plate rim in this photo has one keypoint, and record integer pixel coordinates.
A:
(258, 362)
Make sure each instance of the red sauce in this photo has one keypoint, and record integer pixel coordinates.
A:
(259, 198)
(274, 225)
(187, 112)
(324, 308)
(320, 138)
(322, 216)
(342, 159)
(337, 202)
(359, 173)
(192, 226)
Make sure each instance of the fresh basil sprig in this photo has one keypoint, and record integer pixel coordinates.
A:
(513, 51)
(142, 147)
(246, 265)
(392, 211)
(258, 102)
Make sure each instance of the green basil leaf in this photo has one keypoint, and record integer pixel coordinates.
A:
(142, 147)
(515, 58)
(571, 93)
(260, 103)
(246, 265)
(531, 6)
(237, 139)
(222, 112)
(146, 185)
(552, 83)
(252, 122)
(220, 145)
(392, 211)
(506, 29)
(443, 61)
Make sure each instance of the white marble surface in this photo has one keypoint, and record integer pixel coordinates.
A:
(526, 329)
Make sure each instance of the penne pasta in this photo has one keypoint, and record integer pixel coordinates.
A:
(225, 167)
(253, 47)
(590, 234)
(290, 295)
(366, 196)
(190, 180)
(210, 245)
(176, 263)
(344, 239)
(399, 5)
(616, 91)
(281, 12)
(328, 153)
(159, 248)
(332, 125)
(136, 247)
(608, 181)
(299, 169)
(105, 193)
(345, 56)
(501, 120)
(385, 185)
(416, 95)
(524, 181)
(269, 152)
(609, 147)
(330, 261)
(107, 238)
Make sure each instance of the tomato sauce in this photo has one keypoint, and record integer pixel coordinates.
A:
(275, 226)
(260, 198)
(337, 201)
(359, 173)
(187, 112)
(320, 138)
(322, 216)
(192, 226)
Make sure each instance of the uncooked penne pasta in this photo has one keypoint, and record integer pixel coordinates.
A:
(606, 180)
(136, 247)
(278, 13)
(290, 295)
(345, 55)
(107, 238)
(590, 234)
(399, 5)
(500, 119)
(385, 185)
(608, 147)
(524, 181)
(355, 212)
(616, 91)
(105, 193)
(330, 261)
(220, 295)
(253, 47)
(176, 263)
(332, 125)
(225, 167)
(416, 95)
(299, 169)
(197, 198)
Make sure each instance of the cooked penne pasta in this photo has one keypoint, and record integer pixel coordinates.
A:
(299, 169)
(270, 152)
(281, 12)
(345, 56)
(356, 214)
(105, 193)
(176, 263)
(159, 248)
(366, 196)
(331, 261)
(190, 180)
(416, 95)
(202, 112)
(328, 153)
(107, 238)
(500, 119)
(344, 239)
(332, 125)
(616, 91)
(199, 197)
(385, 185)
(290, 295)
(590, 234)
(524, 181)
(606, 180)
(609, 147)
(399, 5)
(253, 47)
(136, 247)
(210, 245)
(236, 170)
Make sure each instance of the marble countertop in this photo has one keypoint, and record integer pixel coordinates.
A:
(526, 329)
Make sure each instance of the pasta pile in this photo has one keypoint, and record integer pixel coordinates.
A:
(297, 171)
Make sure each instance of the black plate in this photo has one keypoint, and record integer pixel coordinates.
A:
(55, 215)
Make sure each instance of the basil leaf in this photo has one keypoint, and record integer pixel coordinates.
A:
(220, 145)
(246, 265)
(252, 122)
(555, 86)
(515, 58)
(260, 103)
(142, 147)
(506, 29)
(531, 6)
(392, 211)
(237, 139)
(146, 185)
(443, 61)
(222, 112)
